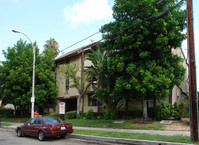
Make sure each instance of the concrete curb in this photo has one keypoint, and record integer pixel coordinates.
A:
(124, 141)
(113, 140)
(8, 127)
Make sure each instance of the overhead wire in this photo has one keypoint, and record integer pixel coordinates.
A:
(154, 4)
(151, 17)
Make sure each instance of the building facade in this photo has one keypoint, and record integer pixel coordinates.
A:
(69, 95)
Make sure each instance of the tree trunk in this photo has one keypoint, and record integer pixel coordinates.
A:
(144, 110)
(78, 104)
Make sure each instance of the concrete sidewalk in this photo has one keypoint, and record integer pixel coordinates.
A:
(160, 132)
(112, 140)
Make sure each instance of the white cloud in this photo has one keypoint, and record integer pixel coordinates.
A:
(88, 11)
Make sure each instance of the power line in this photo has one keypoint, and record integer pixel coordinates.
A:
(151, 17)
(154, 17)
(154, 4)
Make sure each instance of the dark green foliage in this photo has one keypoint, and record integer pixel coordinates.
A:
(166, 110)
(151, 112)
(163, 111)
(90, 114)
(129, 114)
(139, 60)
(16, 77)
(178, 110)
(6, 113)
(71, 114)
(110, 115)
(80, 116)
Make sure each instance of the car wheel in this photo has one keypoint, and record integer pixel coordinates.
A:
(41, 136)
(19, 132)
(63, 136)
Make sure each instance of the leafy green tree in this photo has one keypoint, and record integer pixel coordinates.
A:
(139, 49)
(52, 44)
(16, 77)
(104, 88)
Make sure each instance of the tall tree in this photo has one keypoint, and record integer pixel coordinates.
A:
(52, 44)
(16, 77)
(139, 48)
(103, 89)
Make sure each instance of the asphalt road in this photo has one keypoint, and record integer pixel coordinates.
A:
(9, 137)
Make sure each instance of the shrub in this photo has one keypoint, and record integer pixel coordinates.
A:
(6, 112)
(109, 115)
(178, 110)
(129, 114)
(163, 111)
(90, 114)
(71, 114)
(151, 112)
(98, 115)
(106, 115)
(80, 116)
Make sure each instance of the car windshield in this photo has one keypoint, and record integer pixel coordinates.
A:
(50, 120)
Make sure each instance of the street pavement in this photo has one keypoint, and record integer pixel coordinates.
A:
(117, 140)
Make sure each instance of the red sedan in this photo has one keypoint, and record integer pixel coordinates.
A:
(43, 127)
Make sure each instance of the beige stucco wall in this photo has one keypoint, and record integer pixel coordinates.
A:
(61, 81)
(181, 92)
(77, 60)
(87, 62)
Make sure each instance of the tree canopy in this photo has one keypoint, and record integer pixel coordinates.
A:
(52, 44)
(16, 76)
(138, 46)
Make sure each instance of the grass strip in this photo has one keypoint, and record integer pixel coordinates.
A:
(5, 124)
(127, 124)
(20, 120)
(141, 136)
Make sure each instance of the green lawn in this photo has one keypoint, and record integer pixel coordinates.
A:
(141, 136)
(21, 120)
(5, 124)
(127, 124)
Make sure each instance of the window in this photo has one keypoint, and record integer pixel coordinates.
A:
(150, 103)
(95, 102)
(67, 80)
(38, 121)
(50, 120)
(31, 121)
(67, 84)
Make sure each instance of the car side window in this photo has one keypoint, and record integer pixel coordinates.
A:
(31, 121)
(38, 121)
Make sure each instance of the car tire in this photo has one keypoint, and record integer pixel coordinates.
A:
(41, 136)
(19, 132)
(63, 136)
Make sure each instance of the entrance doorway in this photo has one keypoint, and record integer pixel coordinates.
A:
(71, 104)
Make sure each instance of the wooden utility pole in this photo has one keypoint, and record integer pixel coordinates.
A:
(192, 75)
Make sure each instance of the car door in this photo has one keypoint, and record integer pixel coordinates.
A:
(27, 129)
(36, 126)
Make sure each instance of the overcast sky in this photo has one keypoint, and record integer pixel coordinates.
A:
(67, 21)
